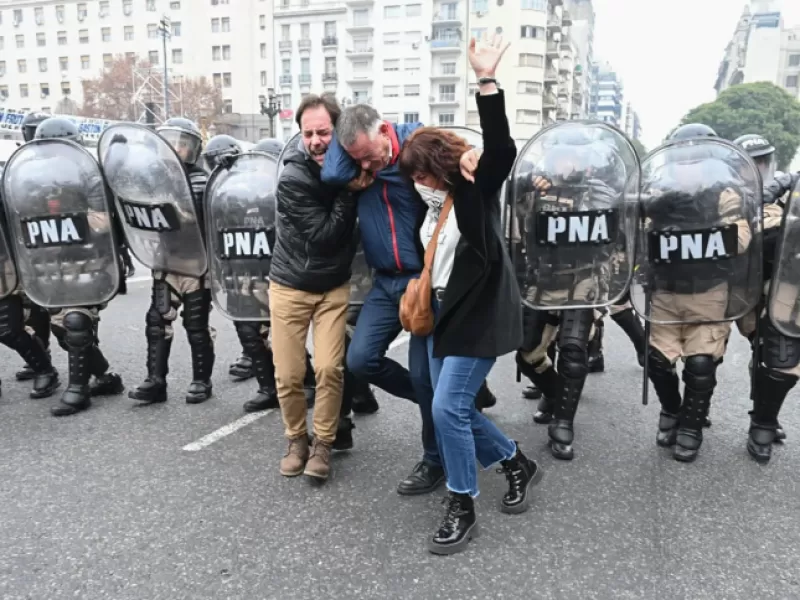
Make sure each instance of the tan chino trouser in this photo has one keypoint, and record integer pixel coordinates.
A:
(293, 312)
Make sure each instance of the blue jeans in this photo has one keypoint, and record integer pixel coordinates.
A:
(461, 431)
(378, 326)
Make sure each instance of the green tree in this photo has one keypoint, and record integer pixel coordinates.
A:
(640, 149)
(761, 108)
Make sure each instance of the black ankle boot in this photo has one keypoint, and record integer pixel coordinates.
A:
(771, 387)
(242, 369)
(265, 399)
(26, 373)
(532, 392)
(76, 396)
(667, 429)
(202, 349)
(699, 382)
(560, 429)
(458, 527)
(263, 368)
(521, 473)
(364, 401)
(344, 434)
(45, 377)
(154, 388)
(484, 398)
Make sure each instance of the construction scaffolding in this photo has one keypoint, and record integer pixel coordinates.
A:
(149, 101)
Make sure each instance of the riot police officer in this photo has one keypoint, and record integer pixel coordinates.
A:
(171, 290)
(269, 146)
(76, 327)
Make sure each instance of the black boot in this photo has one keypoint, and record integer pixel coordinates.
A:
(699, 381)
(196, 307)
(423, 479)
(103, 383)
(532, 392)
(632, 326)
(364, 401)
(310, 383)
(263, 367)
(79, 340)
(458, 527)
(25, 373)
(665, 381)
(45, 377)
(242, 369)
(771, 388)
(484, 398)
(154, 388)
(560, 429)
(521, 473)
(597, 363)
(344, 434)
(546, 381)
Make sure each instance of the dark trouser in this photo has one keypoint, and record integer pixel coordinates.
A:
(13, 333)
(378, 326)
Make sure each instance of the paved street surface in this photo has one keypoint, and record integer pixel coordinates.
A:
(137, 503)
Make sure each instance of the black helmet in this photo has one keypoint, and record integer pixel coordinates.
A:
(58, 128)
(29, 124)
(269, 146)
(219, 146)
(692, 130)
(184, 137)
(755, 145)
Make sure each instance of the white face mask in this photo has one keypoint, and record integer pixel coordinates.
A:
(433, 198)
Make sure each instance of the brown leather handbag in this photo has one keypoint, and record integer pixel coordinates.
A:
(416, 312)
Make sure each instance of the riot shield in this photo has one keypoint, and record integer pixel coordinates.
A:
(61, 223)
(241, 234)
(361, 279)
(699, 250)
(154, 199)
(574, 222)
(473, 137)
(784, 293)
(8, 269)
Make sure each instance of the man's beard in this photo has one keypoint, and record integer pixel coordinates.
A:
(318, 151)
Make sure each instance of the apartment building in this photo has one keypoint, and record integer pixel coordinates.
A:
(607, 92)
(632, 125)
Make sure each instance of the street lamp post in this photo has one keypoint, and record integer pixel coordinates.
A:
(164, 30)
(270, 106)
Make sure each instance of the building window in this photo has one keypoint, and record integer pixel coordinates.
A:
(262, 21)
(20, 41)
(362, 44)
(286, 66)
(391, 39)
(177, 56)
(22, 65)
(263, 79)
(227, 107)
(330, 28)
(23, 90)
(82, 12)
(305, 66)
(791, 81)
(214, 25)
(226, 53)
(44, 90)
(473, 118)
(411, 117)
(263, 51)
(305, 31)
(286, 100)
(361, 17)
(2, 68)
(794, 60)
(176, 29)
(392, 12)
(216, 79)
(152, 57)
(447, 92)
(531, 32)
(130, 57)
(40, 39)
(414, 10)
(391, 117)
(330, 65)
(360, 96)
(108, 59)
(66, 88)
(391, 65)
(478, 33)
(412, 65)
(286, 33)
(411, 90)
(85, 64)
(534, 5)
(38, 15)
(216, 53)
(391, 91)
(226, 24)
(481, 6)
(413, 37)
(529, 87)
(151, 5)
(152, 31)
(128, 33)
(63, 63)
(531, 60)
(529, 117)
(42, 65)
(105, 33)
(226, 80)
(447, 119)
(127, 7)
(175, 5)
(448, 68)
(83, 36)
(104, 8)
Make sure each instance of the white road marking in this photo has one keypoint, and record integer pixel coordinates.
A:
(226, 430)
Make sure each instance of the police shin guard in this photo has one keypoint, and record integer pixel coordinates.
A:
(771, 390)
(699, 382)
(665, 381)
(595, 349)
(154, 387)
(78, 338)
(263, 367)
(196, 307)
(632, 326)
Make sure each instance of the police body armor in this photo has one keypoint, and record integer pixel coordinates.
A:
(361, 278)
(60, 219)
(154, 197)
(577, 227)
(241, 213)
(784, 296)
(701, 229)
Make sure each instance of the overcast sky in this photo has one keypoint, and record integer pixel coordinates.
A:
(668, 52)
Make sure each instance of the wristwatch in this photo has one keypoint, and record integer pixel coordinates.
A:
(485, 80)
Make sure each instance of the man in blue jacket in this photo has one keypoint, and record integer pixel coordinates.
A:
(389, 214)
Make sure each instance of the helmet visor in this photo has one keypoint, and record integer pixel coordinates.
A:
(766, 165)
(186, 145)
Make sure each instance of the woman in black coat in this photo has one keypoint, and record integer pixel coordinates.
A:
(476, 301)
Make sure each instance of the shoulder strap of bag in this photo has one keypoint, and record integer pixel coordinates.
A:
(430, 251)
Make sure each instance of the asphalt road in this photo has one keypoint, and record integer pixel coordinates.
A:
(136, 503)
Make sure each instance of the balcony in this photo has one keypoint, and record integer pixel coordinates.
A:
(556, 2)
(306, 8)
(360, 25)
(445, 45)
(359, 2)
(304, 78)
(442, 75)
(304, 45)
(330, 41)
(449, 18)
(566, 46)
(550, 76)
(361, 77)
(565, 64)
(552, 49)
(286, 80)
(577, 95)
(553, 22)
(562, 114)
(360, 52)
(549, 101)
(330, 77)
(285, 45)
(443, 99)
(566, 18)
(563, 91)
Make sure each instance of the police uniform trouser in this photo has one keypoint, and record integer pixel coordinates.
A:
(170, 291)
(75, 328)
(21, 324)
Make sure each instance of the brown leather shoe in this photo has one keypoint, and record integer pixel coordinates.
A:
(294, 461)
(319, 463)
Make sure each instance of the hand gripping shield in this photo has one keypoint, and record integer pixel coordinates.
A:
(699, 247)
(574, 223)
(784, 297)
(60, 221)
(361, 278)
(241, 212)
(154, 199)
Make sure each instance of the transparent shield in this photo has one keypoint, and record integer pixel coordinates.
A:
(699, 250)
(154, 199)
(473, 137)
(784, 297)
(8, 268)
(60, 221)
(571, 222)
(241, 235)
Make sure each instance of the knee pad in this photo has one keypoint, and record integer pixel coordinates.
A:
(573, 362)
(79, 330)
(699, 372)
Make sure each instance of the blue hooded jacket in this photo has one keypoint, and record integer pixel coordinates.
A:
(389, 211)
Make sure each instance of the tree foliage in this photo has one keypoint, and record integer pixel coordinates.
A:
(110, 95)
(639, 147)
(761, 108)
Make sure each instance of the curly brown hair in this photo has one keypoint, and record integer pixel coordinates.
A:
(435, 152)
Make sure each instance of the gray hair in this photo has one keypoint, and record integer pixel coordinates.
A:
(355, 120)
